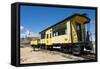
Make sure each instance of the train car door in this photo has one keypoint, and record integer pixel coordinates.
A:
(49, 37)
(79, 31)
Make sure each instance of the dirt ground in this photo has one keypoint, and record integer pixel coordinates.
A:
(39, 56)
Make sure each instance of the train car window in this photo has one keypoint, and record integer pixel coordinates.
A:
(42, 36)
(50, 35)
(61, 31)
(56, 34)
(47, 35)
(78, 27)
(53, 34)
(65, 31)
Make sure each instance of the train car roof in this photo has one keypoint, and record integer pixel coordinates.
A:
(76, 14)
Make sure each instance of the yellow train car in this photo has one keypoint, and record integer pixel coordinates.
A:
(69, 34)
(34, 42)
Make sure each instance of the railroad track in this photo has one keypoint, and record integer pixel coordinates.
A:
(84, 56)
(88, 56)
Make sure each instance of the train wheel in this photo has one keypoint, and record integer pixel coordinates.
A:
(63, 48)
(33, 48)
(76, 50)
(82, 50)
(66, 49)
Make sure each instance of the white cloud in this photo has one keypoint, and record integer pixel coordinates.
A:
(29, 34)
(34, 35)
(21, 27)
(22, 35)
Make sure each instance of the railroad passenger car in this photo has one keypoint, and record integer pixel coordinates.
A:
(69, 34)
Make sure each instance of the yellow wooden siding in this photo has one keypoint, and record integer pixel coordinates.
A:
(48, 41)
(60, 39)
(34, 42)
(42, 41)
(67, 37)
(74, 32)
(80, 19)
(68, 30)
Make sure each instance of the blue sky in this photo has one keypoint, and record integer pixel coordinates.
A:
(36, 18)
